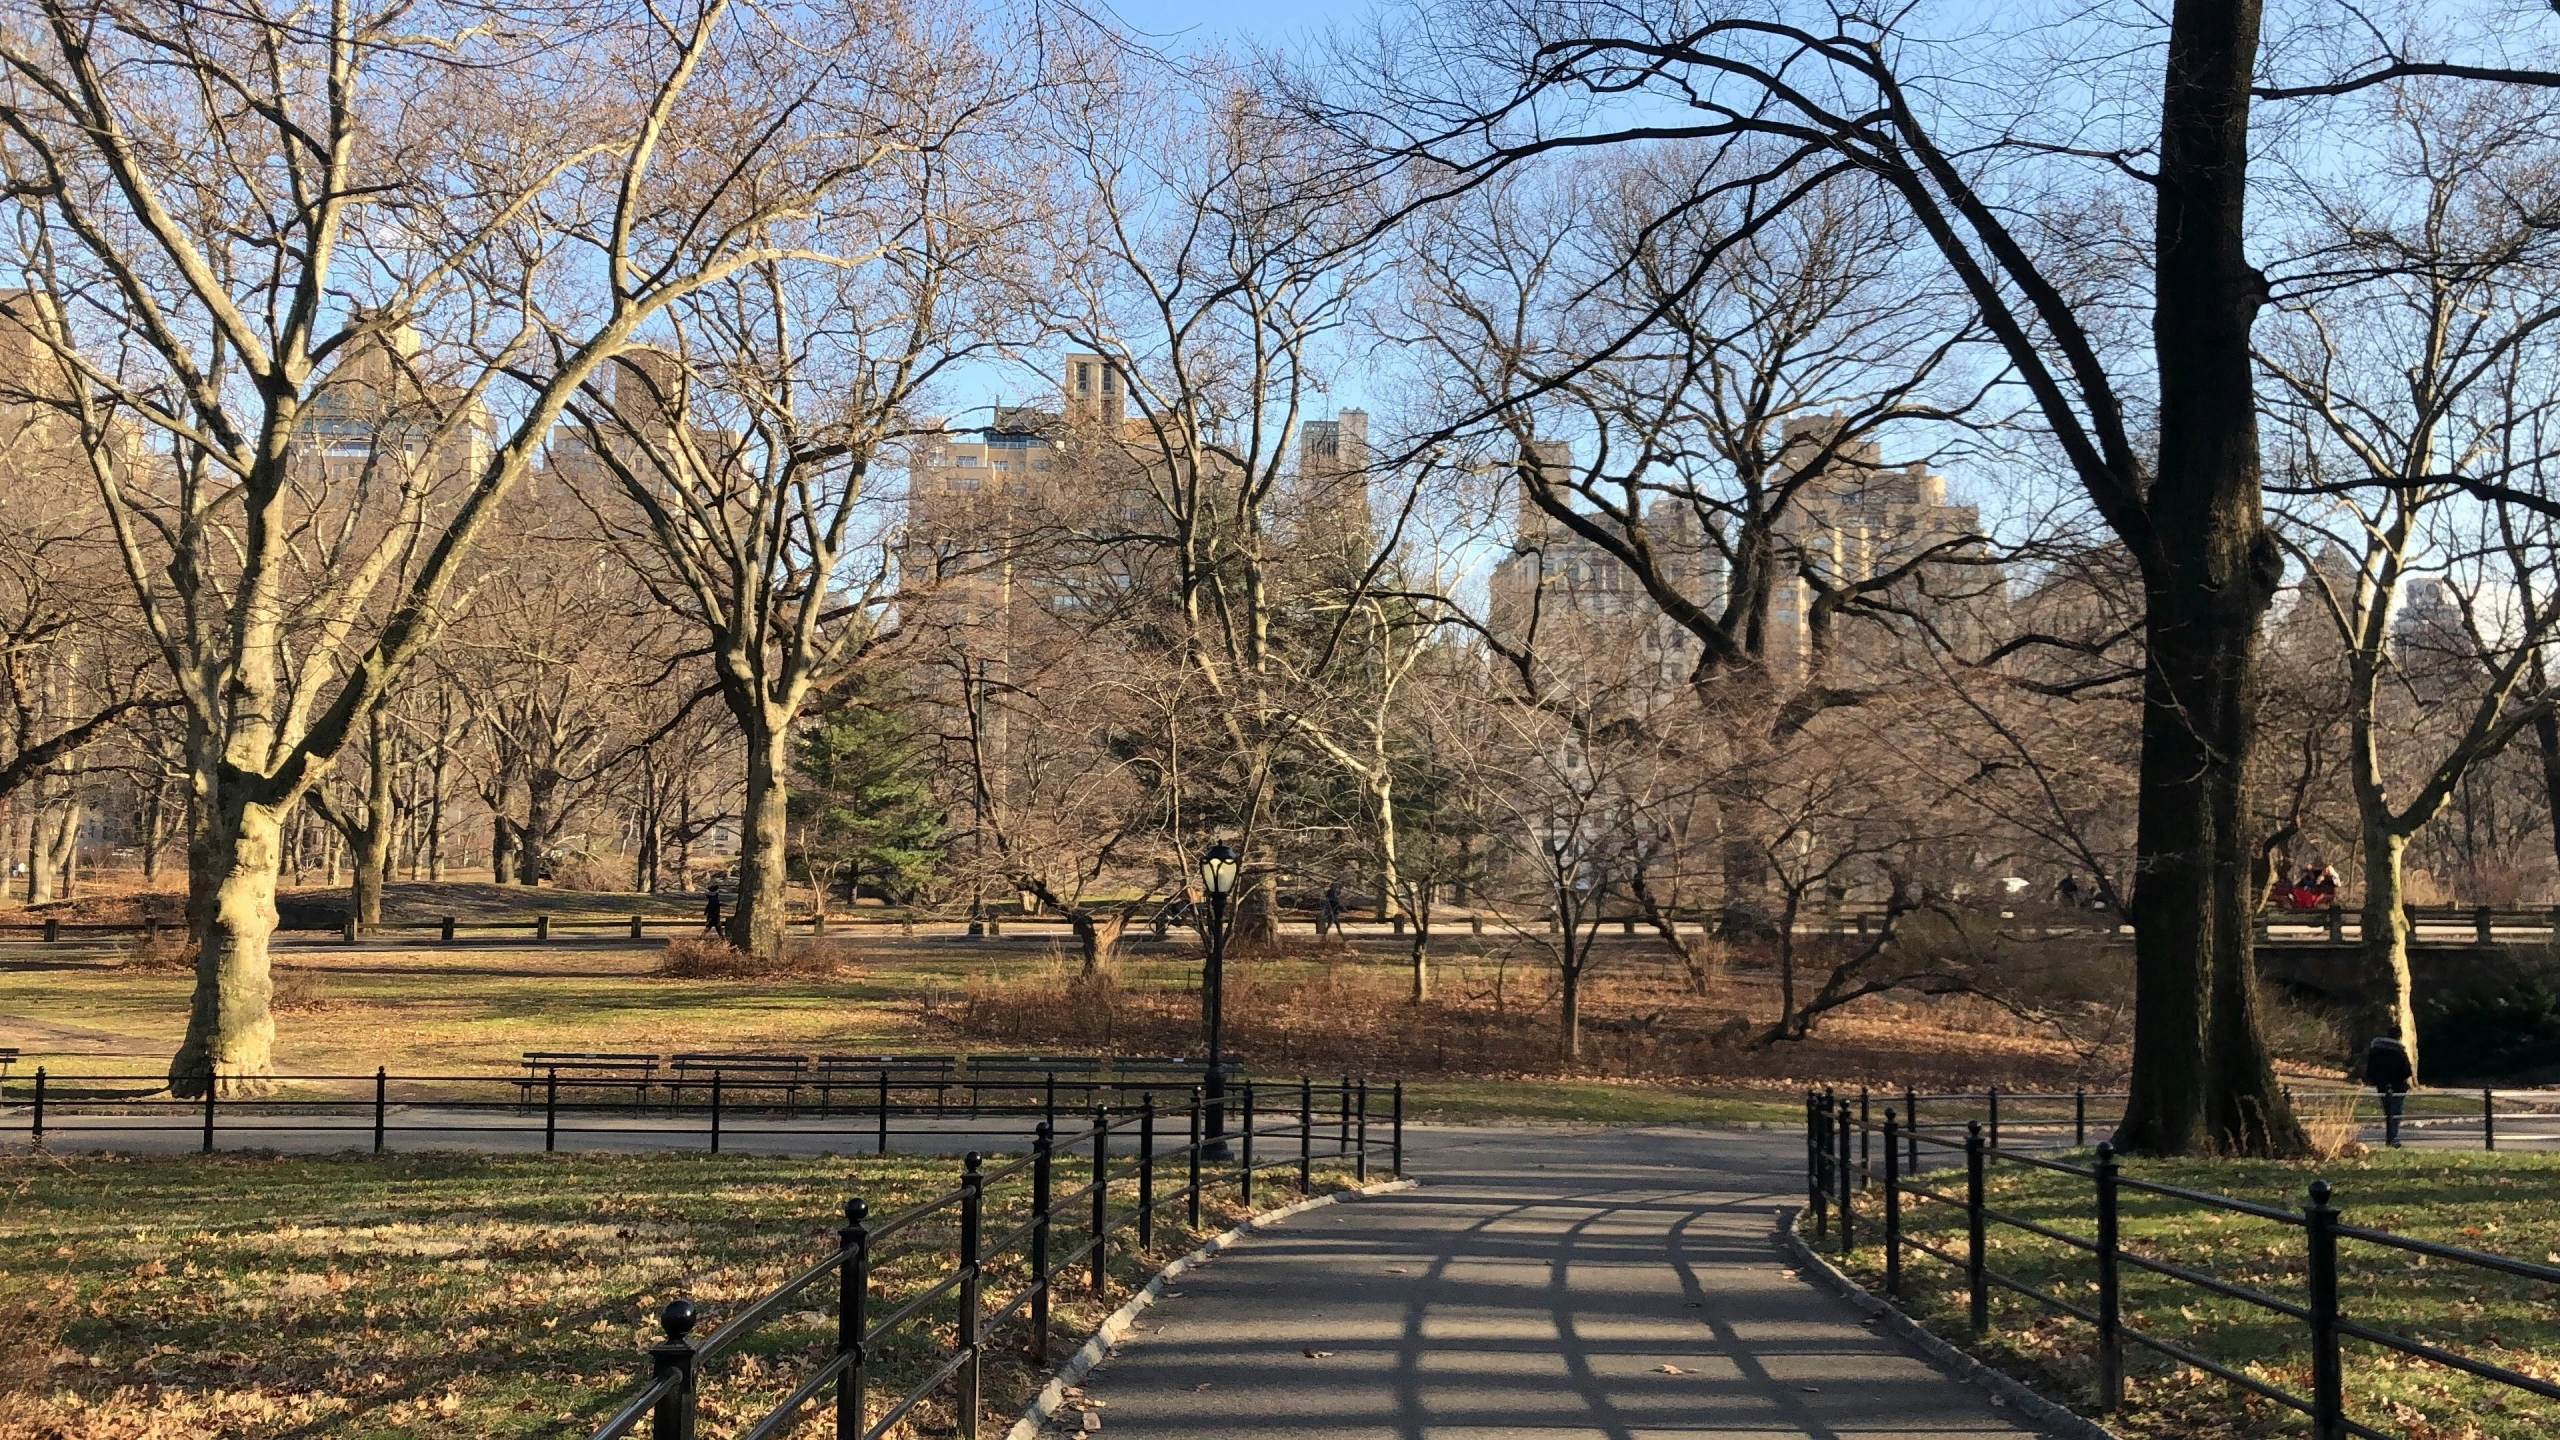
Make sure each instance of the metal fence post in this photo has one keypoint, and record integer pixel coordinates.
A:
(1101, 1194)
(1865, 1159)
(1848, 1187)
(1818, 1121)
(448, 929)
(715, 1112)
(381, 1095)
(1244, 1153)
(2110, 1296)
(1992, 1095)
(1892, 1203)
(853, 1288)
(212, 1087)
(1049, 1100)
(542, 928)
(883, 1147)
(2488, 1120)
(1306, 1133)
(1396, 1154)
(2079, 1118)
(1191, 1191)
(551, 1110)
(673, 1419)
(1911, 1129)
(1978, 1306)
(1146, 1171)
(1342, 1123)
(1816, 1204)
(1360, 1162)
(36, 1134)
(2328, 1383)
(1040, 1146)
(972, 1192)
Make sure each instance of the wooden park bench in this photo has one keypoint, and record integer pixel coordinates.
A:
(587, 1070)
(741, 1075)
(861, 1077)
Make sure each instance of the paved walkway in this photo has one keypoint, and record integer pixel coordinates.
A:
(1618, 1284)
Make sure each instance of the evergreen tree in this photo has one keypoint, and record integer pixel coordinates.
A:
(860, 805)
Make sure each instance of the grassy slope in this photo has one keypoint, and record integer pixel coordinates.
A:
(426, 1011)
(434, 1295)
(2503, 1203)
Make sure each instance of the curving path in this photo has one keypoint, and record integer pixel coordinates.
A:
(1616, 1284)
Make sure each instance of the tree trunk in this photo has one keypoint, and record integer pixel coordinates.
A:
(435, 815)
(2201, 1075)
(230, 1041)
(1098, 935)
(541, 820)
(765, 836)
(373, 837)
(2546, 734)
(63, 853)
(154, 830)
(2386, 928)
(1570, 1001)
(502, 850)
(1258, 912)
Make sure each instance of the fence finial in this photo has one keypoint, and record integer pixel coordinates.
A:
(677, 1319)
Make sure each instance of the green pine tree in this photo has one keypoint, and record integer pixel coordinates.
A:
(860, 805)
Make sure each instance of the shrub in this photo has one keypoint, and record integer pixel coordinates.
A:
(2491, 1035)
(705, 957)
(171, 952)
(298, 992)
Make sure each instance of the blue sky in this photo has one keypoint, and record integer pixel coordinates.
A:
(1277, 22)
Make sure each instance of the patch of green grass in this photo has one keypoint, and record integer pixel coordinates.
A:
(2505, 1204)
(436, 1295)
(1596, 1102)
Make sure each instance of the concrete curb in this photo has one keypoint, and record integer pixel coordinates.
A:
(1098, 1346)
(2030, 1406)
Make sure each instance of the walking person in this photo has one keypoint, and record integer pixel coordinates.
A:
(2386, 1069)
(711, 909)
(1329, 914)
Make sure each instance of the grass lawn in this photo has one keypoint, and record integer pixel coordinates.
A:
(455, 1295)
(431, 1010)
(2506, 1204)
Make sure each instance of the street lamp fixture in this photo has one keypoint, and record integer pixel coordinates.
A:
(1218, 877)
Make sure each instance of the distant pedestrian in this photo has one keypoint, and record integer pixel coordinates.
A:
(2386, 1069)
(1329, 914)
(2068, 892)
(711, 909)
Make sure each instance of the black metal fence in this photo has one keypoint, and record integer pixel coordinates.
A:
(710, 1108)
(1850, 1158)
(2485, 1118)
(1064, 1239)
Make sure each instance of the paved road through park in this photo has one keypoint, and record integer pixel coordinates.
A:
(1615, 1284)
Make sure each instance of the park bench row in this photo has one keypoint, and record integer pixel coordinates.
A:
(1015, 1080)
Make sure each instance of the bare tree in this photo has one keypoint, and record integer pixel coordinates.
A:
(1828, 95)
(232, 212)
(749, 451)
(1214, 270)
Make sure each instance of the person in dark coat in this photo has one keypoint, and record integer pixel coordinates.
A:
(2386, 1069)
(711, 910)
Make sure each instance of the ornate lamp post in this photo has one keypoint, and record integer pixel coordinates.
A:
(1218, 878)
